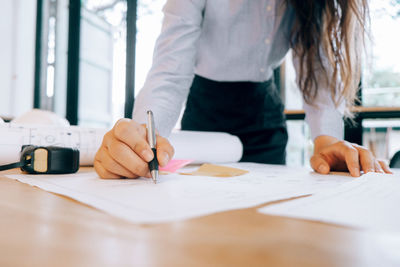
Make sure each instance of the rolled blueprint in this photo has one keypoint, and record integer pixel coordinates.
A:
(212, 147)
(14, 136)
(198, 146)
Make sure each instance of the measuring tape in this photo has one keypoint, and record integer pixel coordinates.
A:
(46, 160)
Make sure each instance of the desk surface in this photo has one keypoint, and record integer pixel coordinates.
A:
(43, 229)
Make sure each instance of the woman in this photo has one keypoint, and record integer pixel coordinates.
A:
(225, 51)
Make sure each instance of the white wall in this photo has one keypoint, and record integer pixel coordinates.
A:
(17, 55)
(5, 55)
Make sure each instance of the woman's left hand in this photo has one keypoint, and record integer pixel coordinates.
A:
(331, 154)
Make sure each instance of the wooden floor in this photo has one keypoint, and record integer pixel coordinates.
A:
(38, 228)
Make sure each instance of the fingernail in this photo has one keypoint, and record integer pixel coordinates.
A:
(147, 155)
(322, 168)
(356, 171)
(164, 159)
(370, 170)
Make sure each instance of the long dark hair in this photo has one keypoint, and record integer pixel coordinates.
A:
(335, 28)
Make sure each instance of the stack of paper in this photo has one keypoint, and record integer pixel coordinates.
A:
(178, 197)
(369, 202)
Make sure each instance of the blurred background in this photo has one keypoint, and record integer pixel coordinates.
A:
(86, 60)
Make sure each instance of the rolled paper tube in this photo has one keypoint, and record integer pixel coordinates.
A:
(206, 147)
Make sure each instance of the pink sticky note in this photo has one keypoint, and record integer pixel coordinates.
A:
(175, 164)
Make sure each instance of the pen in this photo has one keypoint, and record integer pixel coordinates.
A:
(151, 138)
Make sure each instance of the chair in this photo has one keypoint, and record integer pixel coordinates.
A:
(395, 161)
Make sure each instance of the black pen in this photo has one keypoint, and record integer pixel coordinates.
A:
(151, 138)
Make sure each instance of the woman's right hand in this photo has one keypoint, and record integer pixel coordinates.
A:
(126, 153)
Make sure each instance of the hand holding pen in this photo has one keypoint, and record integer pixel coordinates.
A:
(126, 152)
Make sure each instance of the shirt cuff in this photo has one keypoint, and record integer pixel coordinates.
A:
(325, 122)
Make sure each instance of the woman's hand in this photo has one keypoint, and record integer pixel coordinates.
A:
(126, 153)
(333, 155)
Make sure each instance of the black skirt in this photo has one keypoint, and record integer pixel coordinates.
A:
(252, 111)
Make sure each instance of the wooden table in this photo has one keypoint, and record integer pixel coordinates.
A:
(38, 228)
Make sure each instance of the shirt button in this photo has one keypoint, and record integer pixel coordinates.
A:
(262, 70)
(269, 8)
(267, 41)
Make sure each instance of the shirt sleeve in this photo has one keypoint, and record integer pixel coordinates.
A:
(323, 116)
(169, 79)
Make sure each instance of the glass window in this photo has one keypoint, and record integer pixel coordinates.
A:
(381, 84)
(148, 28)
(381, 78)
(103, 55)
(102, 62)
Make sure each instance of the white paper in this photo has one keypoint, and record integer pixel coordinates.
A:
(178, 197)
(204, 147)
(369, 202)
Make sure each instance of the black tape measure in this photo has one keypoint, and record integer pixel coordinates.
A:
(46, 160)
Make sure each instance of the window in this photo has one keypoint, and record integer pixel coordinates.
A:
(149, 18)
(102, 56)
(381, 83)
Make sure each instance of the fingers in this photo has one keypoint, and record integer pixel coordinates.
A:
(113, 166)
(341, 156)
(319, 164)
(385, 167)
(369, 163)
(125, 151)
(165, 151)
(103, 173)
(344, 155)
(123, 155)
(133, 135)
(345, 151)
(352, 161)
(122, 152)
(367, 160)
(378, 167)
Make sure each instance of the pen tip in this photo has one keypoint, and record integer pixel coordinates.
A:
(154, 175)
